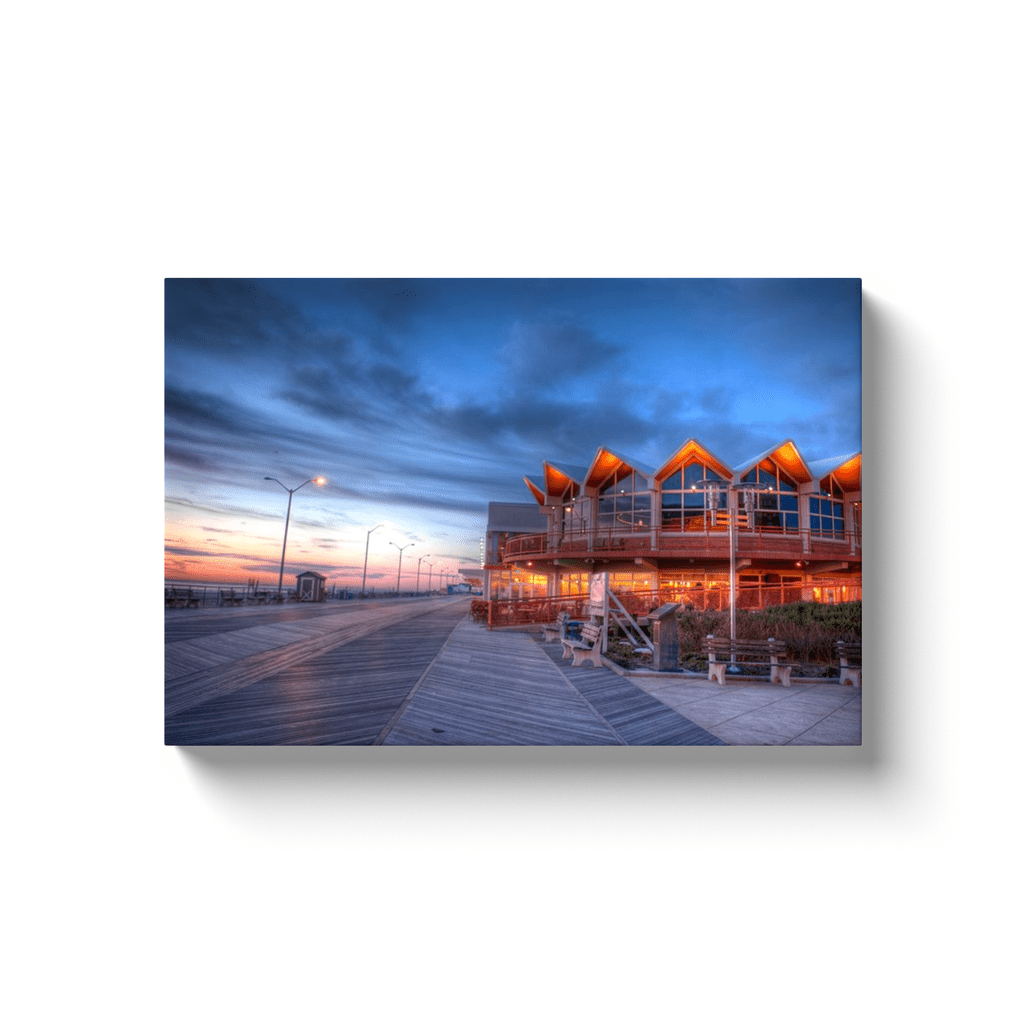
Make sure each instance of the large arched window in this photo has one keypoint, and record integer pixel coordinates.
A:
(624, 503)
(687, 502)
(773, 505)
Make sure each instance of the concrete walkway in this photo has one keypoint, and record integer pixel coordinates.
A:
(759, 714)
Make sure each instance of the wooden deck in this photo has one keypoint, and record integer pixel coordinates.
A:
(410, 673)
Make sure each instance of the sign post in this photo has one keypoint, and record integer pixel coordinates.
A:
(599, 586)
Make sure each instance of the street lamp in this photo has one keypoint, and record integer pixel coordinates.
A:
(427, 555)
(731, 490)
(319, 481)
(430, 576)
(400, 550)
(362, 593)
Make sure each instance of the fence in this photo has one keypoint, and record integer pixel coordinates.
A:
(749, 596)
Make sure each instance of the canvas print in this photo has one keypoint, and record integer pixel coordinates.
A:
(540, 512)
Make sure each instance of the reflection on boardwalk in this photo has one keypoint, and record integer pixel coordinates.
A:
(414, 672)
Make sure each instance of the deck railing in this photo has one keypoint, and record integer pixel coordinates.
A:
(707, 543)
(712, 598)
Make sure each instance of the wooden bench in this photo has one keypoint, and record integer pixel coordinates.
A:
(562, 627)
(175, 597)
(849, 662)
(766, 655)
(586, 650)
(230, 597)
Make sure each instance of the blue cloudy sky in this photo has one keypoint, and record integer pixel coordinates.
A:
(422, 400)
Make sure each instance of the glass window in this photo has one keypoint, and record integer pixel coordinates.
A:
(829, 503)
(771, 504)
(686, 501)
(624, 504)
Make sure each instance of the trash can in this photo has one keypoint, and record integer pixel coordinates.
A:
(665, 634)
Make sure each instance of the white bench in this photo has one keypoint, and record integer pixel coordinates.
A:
(766, 655)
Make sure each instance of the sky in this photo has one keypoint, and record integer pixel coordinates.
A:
(420, 401)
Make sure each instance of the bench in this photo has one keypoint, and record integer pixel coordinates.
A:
(767, 655)
(175, 597)
(849, 662)
(562, 627)
(230, 597)
(586, 650)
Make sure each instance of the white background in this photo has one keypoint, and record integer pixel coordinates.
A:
(788, 139)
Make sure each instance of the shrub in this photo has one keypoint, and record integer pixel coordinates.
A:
(809, 630)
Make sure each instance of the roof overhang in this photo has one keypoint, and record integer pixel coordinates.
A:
(557, 482)
(537, 489)
(690, 450)
(606, 462)
(787, 456)
(846, 470)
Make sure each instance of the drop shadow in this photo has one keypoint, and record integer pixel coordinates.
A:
(383, 771)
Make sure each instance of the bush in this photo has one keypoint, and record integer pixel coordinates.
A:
(808, 630)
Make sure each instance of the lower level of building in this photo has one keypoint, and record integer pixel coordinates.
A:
(703, 589)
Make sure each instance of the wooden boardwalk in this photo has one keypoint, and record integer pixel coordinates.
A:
(411, 673)
(340, 687)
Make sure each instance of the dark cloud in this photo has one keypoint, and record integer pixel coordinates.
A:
(543, 356)
(187, 458)
(352, 390)
(181, 552)
(229, 315)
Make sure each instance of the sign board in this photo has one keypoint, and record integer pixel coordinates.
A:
(599, 593)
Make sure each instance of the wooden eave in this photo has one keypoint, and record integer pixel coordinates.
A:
(693, 450)
(848, 474)
(786, 456)
(557, 482)
(536, 491)
(606, 462)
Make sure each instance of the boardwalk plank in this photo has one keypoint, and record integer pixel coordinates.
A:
(401, 675)
(344, 696)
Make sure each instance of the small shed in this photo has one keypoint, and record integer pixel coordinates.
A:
(311, 586)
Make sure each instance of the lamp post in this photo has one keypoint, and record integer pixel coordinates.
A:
(362, 592)
(319, 481)
(427, 555)
(732, 490)
(400, 550)
(430, 576)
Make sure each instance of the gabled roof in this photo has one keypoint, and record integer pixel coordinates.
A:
(538, 486)
(845, 468)
(558, 478)
(787, 455)
(691, 448)
(607, 462)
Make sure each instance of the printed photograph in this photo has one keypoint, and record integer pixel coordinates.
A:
(513, 512)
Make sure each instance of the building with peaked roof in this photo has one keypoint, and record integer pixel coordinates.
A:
(789, 529)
